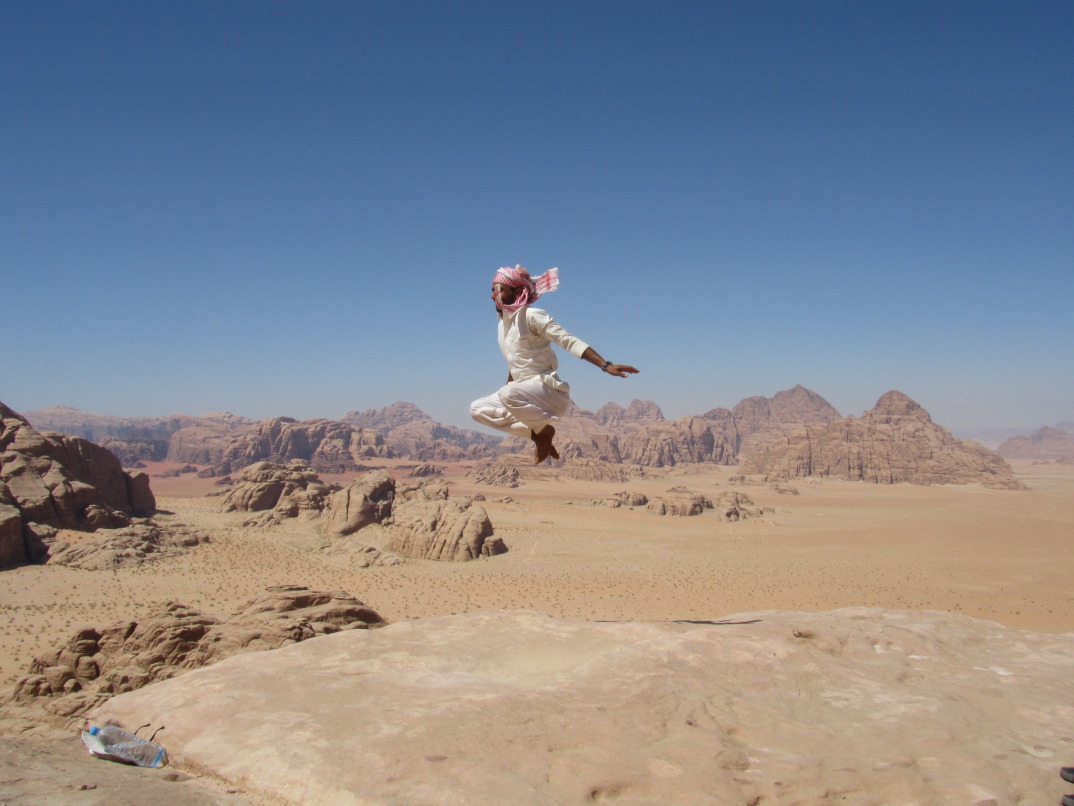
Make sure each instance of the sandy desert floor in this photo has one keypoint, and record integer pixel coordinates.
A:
(993, 554)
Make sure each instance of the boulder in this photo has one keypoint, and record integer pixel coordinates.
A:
(449, 530)
(367, 500)
(681, 502)
(12, 549)
(734, 506)
(56, 481)
(271, 486)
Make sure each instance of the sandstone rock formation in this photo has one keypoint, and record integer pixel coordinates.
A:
(894, 442)
(451, 530)
(99, 662)
(623, 498)
(388, 418)
(410, 432)
(286, 489)
(203, 440)
(422, 521)
(325, 445)
(504, 471)
(179, 438)
(708, 439)
(679, 501)
(639, 412)
(762, 420)
(51, 481)
(641, 436)
(859, 706)
(581, 469)
(367, 500)
(1044, 445)
(108, 549)
(737, 506)
(425, 469)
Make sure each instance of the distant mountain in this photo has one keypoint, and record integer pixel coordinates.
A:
(412, 433)
(894, 442)
(179, 438)
(640, 434)
(792, 419)
(1046, 445)
(229, 442)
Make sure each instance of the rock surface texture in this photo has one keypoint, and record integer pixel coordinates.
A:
(51, 481)
(858, 706)
(99, 662)
(278, 491)
(422, 521)
(894, 442)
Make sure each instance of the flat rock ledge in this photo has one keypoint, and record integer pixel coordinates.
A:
(860, 706)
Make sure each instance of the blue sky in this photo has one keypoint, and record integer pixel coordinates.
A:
(297, 208)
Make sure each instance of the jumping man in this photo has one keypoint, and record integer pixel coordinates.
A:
(534, 395)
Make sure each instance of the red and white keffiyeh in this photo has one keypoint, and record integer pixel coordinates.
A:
(529, 287)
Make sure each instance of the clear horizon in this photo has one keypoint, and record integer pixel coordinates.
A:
(283, 209)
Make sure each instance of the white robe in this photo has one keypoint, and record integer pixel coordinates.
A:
(535, 395)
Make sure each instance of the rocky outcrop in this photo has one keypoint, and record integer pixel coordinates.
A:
(1044, 445)
(51, 481)
(410, 432)
(327, 446)
(270, 486)
(452, 530)
(639, 412)
(763, 420)
(388, 418)
(179, 438)
(365, 501)
(623, 498)
(706, 439)
(422, 521)
(596, 470)
(100, 662)
(504, 471)
(894, 442)
(680, 502)
(109, 549)
(204, 440)
(735, 506)
(640, 435)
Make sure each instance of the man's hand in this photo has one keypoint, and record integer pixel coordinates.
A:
(620, 370)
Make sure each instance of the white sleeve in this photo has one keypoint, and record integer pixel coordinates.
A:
(540, 322)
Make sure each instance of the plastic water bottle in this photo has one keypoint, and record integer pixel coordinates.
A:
(121, 745)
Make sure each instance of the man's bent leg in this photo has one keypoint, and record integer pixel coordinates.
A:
(532, 403)
(490, 411)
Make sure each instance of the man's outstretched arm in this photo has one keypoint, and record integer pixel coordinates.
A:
(618, 370)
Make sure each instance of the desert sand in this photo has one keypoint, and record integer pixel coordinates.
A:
(999, 555)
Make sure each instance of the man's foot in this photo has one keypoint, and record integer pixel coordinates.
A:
(1067, 774)
(543, 444)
